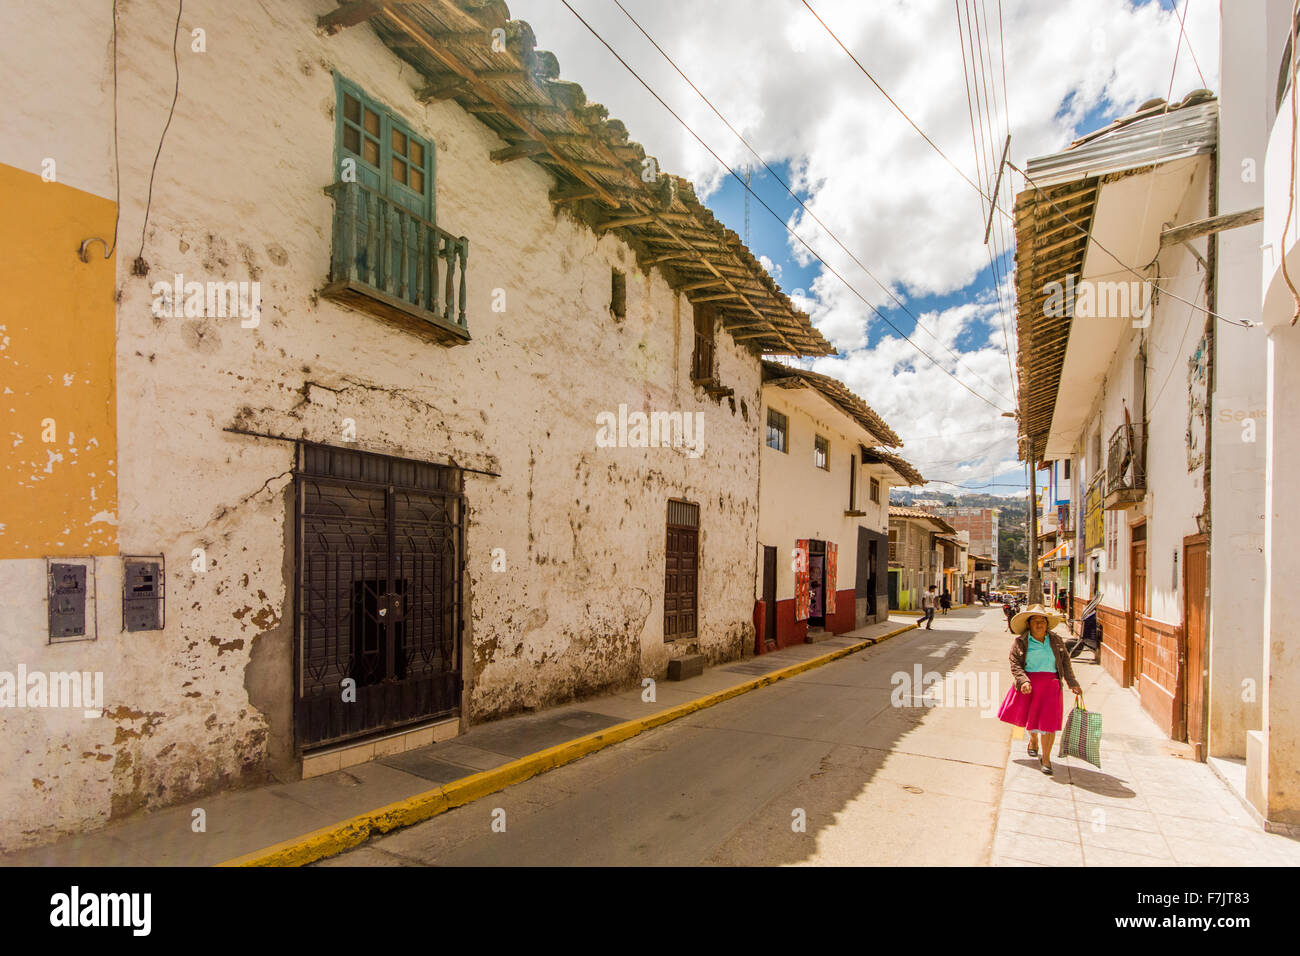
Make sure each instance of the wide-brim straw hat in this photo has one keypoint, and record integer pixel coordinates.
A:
(1020, 623)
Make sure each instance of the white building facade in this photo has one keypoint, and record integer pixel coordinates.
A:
(824, 480)
(424, 482)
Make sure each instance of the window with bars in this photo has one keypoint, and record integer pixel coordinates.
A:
(821, 453)
(777, 430)
(875, 490)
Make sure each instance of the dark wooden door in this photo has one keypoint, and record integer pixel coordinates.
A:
(769, 597)
(1137, 597)
(681, 571)
(1194, 668)
(378, 594)
(873, 581)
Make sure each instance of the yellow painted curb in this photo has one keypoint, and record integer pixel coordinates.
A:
(335, 838)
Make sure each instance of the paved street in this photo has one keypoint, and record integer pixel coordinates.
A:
(873, 783)
(876, 784)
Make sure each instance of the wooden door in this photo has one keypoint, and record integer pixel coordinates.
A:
(769, 597)
(1194, 669)
(1137, 597)
(681, 571)
(378, 593)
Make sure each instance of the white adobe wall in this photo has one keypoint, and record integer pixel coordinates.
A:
(1240, 431)
(1273, 768)
(239, 196)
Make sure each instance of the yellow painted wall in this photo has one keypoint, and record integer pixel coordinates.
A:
(57, 361)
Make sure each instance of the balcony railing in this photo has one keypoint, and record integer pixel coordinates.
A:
(389, 261)
(1126, 465)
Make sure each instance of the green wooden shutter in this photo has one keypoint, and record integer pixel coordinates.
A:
(390, 158)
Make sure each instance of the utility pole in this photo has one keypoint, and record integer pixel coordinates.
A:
(1035, 582)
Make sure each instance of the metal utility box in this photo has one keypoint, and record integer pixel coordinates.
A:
(67, 601)
(142, 593)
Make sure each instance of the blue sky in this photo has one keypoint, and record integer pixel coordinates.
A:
(769, 238)
(774, 72)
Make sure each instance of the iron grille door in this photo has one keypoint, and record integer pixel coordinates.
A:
(681, 578)
(378, 593)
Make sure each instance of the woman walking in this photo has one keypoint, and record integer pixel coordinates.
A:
(1039, 662)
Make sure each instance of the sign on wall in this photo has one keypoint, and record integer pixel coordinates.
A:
(1094, 528)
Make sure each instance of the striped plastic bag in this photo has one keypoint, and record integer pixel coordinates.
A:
(1082, 735)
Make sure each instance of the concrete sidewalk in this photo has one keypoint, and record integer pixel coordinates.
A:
(1151, 804)
(309, 819)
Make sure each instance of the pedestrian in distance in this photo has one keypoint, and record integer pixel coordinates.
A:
(928, 601)
(1039, 663)
(945, 600)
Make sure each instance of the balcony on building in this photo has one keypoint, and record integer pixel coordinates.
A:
(391, 262)
(1126, 467)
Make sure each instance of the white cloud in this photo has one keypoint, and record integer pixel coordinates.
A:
(779, 78)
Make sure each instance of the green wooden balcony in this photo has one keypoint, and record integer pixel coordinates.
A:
(390, 262)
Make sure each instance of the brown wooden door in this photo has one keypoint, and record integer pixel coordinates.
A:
(1194, 666)
(681, 577)
(1137, 597)
(769, 597)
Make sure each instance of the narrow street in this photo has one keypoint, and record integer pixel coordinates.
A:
(876, 784)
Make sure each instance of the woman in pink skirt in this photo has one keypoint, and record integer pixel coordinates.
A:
(1039, 661)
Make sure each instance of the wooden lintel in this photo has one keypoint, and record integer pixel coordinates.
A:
(515, 151)
(443, 90)
(1204, 227)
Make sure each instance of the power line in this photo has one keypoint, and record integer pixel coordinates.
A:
(903, 112)
(997, 281)
(795, 196)
(969, 456)
(1184, 38)
(1002, 52)
(829, 268)
(171, 112)
(964, 431)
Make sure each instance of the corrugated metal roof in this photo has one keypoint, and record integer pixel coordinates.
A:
(1133, 142)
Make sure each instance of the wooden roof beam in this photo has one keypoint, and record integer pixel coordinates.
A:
(520, 150)
(349, 15)
(619, 222)
(1204, 227)
(487, 93)
(572, 194)
(702, 284)
(442, 90)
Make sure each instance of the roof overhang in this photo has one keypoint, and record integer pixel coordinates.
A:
(1114, 191)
